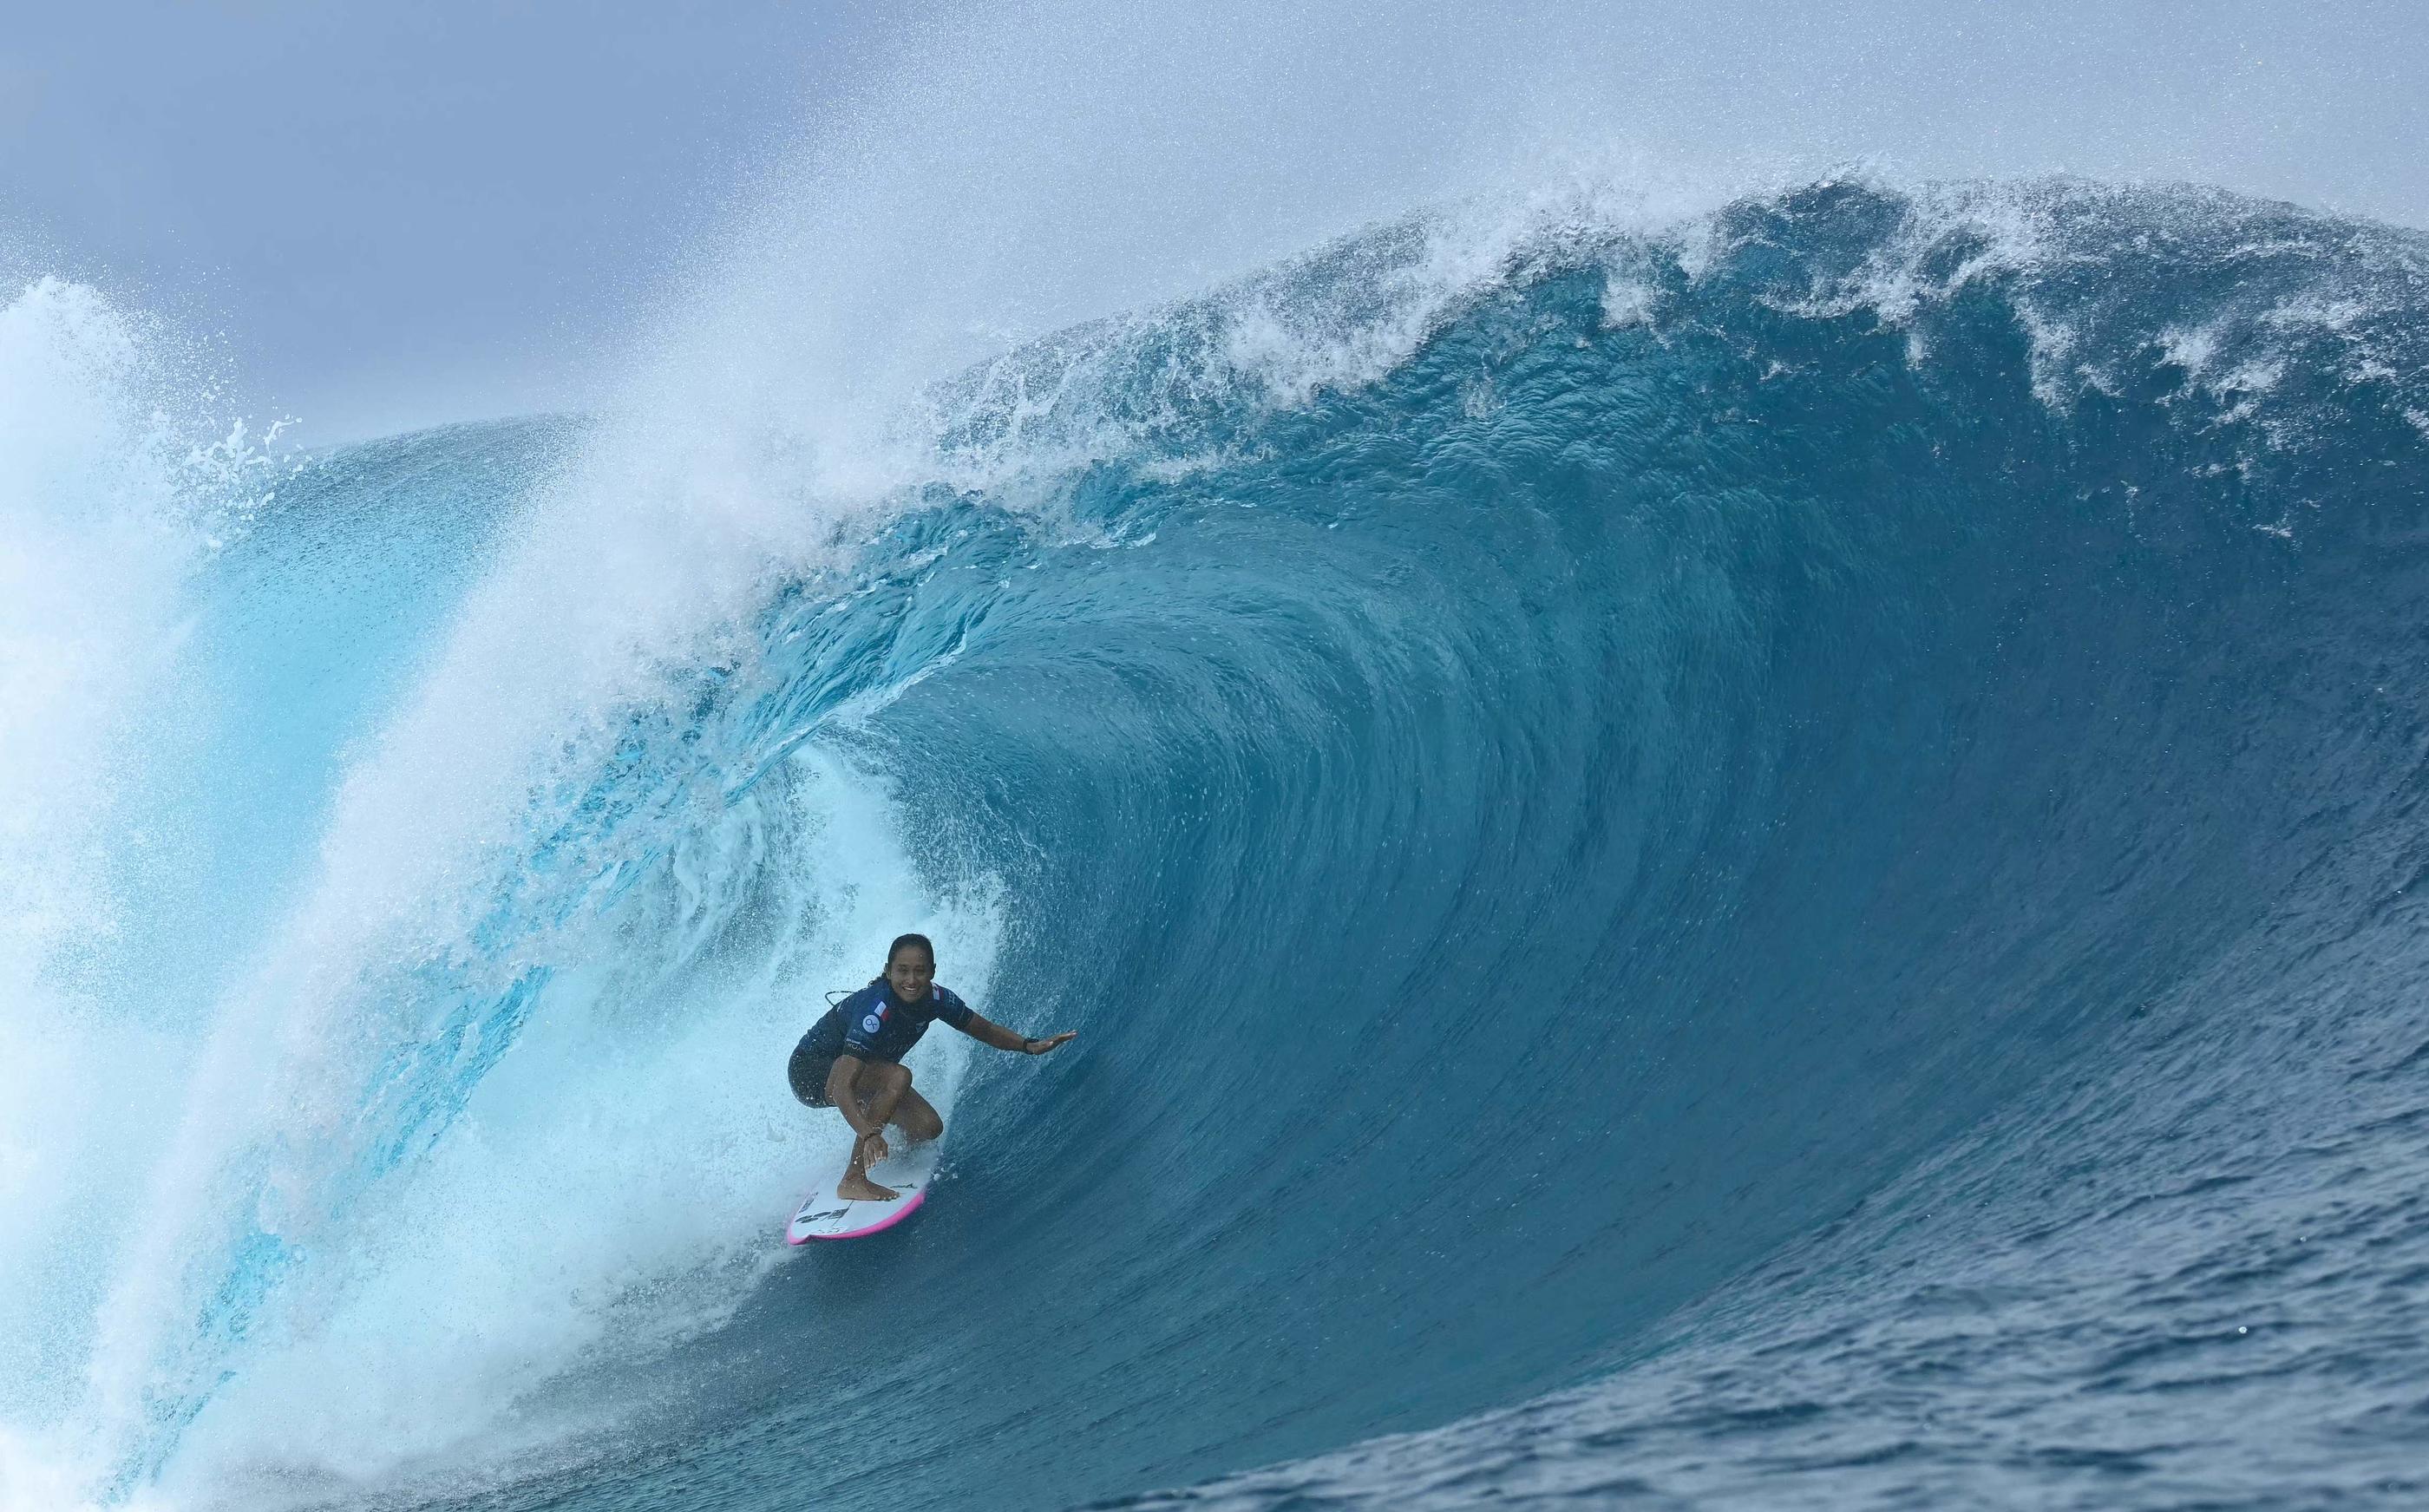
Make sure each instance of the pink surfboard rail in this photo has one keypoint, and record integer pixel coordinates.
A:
(824, 1215)
(894, 1213)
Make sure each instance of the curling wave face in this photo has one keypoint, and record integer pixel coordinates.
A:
(1693, 819)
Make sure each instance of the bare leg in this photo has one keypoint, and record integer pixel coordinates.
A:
(878, 1087)
(917, 1118)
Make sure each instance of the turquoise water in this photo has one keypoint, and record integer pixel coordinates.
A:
(1766, 862)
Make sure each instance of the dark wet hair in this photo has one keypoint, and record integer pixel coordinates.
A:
(901, 942)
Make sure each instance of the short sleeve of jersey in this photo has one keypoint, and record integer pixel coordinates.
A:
(950, 1008)
(864, 1015)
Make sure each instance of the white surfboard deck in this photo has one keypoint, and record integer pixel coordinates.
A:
(824, 1215)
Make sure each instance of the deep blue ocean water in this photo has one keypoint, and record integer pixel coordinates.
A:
(1770, 863)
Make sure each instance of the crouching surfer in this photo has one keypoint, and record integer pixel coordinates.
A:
(851, 1058)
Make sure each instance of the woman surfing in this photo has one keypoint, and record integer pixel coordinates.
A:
(851, 1058)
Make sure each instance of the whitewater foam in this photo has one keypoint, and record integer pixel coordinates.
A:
(109, 505)
(320, 1077)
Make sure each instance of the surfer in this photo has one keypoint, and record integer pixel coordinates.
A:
(851, 1058)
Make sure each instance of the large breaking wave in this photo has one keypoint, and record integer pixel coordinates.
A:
(1786, 828)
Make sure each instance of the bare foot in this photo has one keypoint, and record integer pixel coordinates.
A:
(860, 1188)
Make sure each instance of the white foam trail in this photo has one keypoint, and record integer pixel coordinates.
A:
(642, 565)
(640, 562)
(101, 523)
(617, 1183)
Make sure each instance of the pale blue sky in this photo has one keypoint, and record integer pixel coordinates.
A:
(397, 215)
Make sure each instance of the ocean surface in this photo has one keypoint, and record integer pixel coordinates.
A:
(1772, 860)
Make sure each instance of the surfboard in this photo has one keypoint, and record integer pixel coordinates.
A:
(824, 1215)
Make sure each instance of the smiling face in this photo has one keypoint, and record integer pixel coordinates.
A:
(910, 974)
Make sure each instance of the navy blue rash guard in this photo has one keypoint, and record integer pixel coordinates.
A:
(870, 1023)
